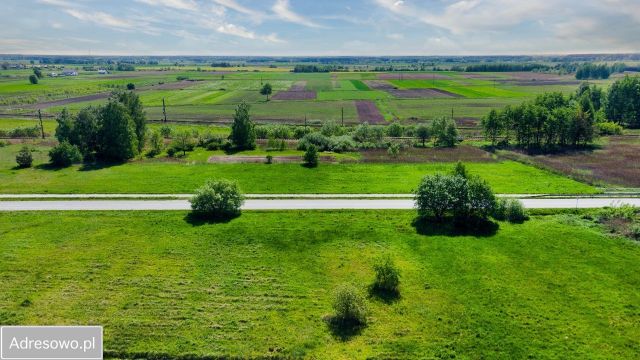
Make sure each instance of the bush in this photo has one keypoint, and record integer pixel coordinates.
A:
(269, 159)
(342, 143)
(311, 156)
(33, 79)
(24, 159)
(634, 232)
(165, 131)
(64, 154)
(349, 306)
(300, 131)
(395, 130)
(217, 199)
(131, 86)
(330, 128)
(320, 141)
(609, 128)
(516, 212)
(627, 212)
(393, 150)
(387, 276)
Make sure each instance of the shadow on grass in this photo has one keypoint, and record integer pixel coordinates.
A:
(384, 295)
(545, 150)
(343, 330)
(99, 165)
(455, 227)
(198, 219)
(50, 167)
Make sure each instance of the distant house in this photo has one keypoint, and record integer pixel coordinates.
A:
(69, 73)
(53, 74)
(102, 72)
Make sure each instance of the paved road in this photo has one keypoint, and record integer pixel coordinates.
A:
(289, 204)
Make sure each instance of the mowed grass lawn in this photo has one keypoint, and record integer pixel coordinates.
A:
(260, 285)
(162, 176)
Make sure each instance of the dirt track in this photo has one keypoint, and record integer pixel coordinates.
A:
(368, 112)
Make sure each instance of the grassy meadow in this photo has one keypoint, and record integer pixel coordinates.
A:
(164, 286)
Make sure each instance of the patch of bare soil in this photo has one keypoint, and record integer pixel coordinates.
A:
(421, 93)
(246, 159)
(464, 153)
(412, 76)
(295, 95)
(368, 112)
(379, 85)
(616, 163)
(298, 86)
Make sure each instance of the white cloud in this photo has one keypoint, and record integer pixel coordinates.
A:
(282, 10)
(235, 6)
(101, 18)
(395, 36)
(174, 4)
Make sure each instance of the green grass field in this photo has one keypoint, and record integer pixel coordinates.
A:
(162, 176)
(260, 285)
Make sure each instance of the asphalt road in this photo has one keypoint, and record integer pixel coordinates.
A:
(290, 204)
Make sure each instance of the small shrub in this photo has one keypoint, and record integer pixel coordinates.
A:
(24, 159)
(165, 131)
(65, 154)
(320, 141)
(3, 143)
(609, 128)
(627, 212)
(393, 150)
(217, 199)
(387, 276)
(33, 79)
(515, 211)
(349, 306)
(131, 86)
(269, 159)
(634, 232)
(311, 156)
(171, 152)
(341, 144)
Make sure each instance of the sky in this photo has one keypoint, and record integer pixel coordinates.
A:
(319, 27)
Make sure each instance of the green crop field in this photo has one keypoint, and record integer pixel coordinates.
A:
(159, 176)
(259, 286)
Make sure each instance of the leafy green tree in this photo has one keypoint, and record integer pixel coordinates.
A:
(266, 90)
(117, 138)
(156, 144)
(37, 72)
(492, 126)
(33, 79)
(131, 86)
(623, 102)
(243, 133)
(24, 158)
(395, 129)
(85, 131)
(217, 199)
(183, 141)
(461, 170)
(439, 194)
(133, 104)
(444, 131)
(311, 156)
(64, 154)
(64, 130)
(423, 133)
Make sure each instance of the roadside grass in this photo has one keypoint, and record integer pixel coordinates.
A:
(177, 176)
(259, 285)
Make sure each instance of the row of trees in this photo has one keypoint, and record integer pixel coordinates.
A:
(113, 132)
(553, 119)
(593, 71)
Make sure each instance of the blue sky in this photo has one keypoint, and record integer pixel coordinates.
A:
(319, 27)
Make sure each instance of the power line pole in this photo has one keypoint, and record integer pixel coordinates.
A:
(41, 125)
(164, 111)
(452, 113)
(342, 110)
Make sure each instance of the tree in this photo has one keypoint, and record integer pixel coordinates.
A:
(243, 133)
(37, 72)
(183, 142)
(132, 102)
(311, 156)
(217, 199)
(131, 86)
(64, 154)
(395, 129)
(393, 150)
(24, 158)
(423, 133)
(33, 79)
(85, 131)
(492, 126)
(156, 143)
(444, 131)
(64, 130)
(623, 102)
(117, 138)
(266, 90)
(461, 170)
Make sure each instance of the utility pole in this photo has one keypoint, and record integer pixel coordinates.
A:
(41, 125)
(452, 113)
(164, 111)
(342, 110)
(305, 123)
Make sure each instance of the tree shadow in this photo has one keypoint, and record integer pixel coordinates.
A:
(199, 219)
(99, 165)
(384, 295)
(343, 330)
(50, 167)
(455, 227)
